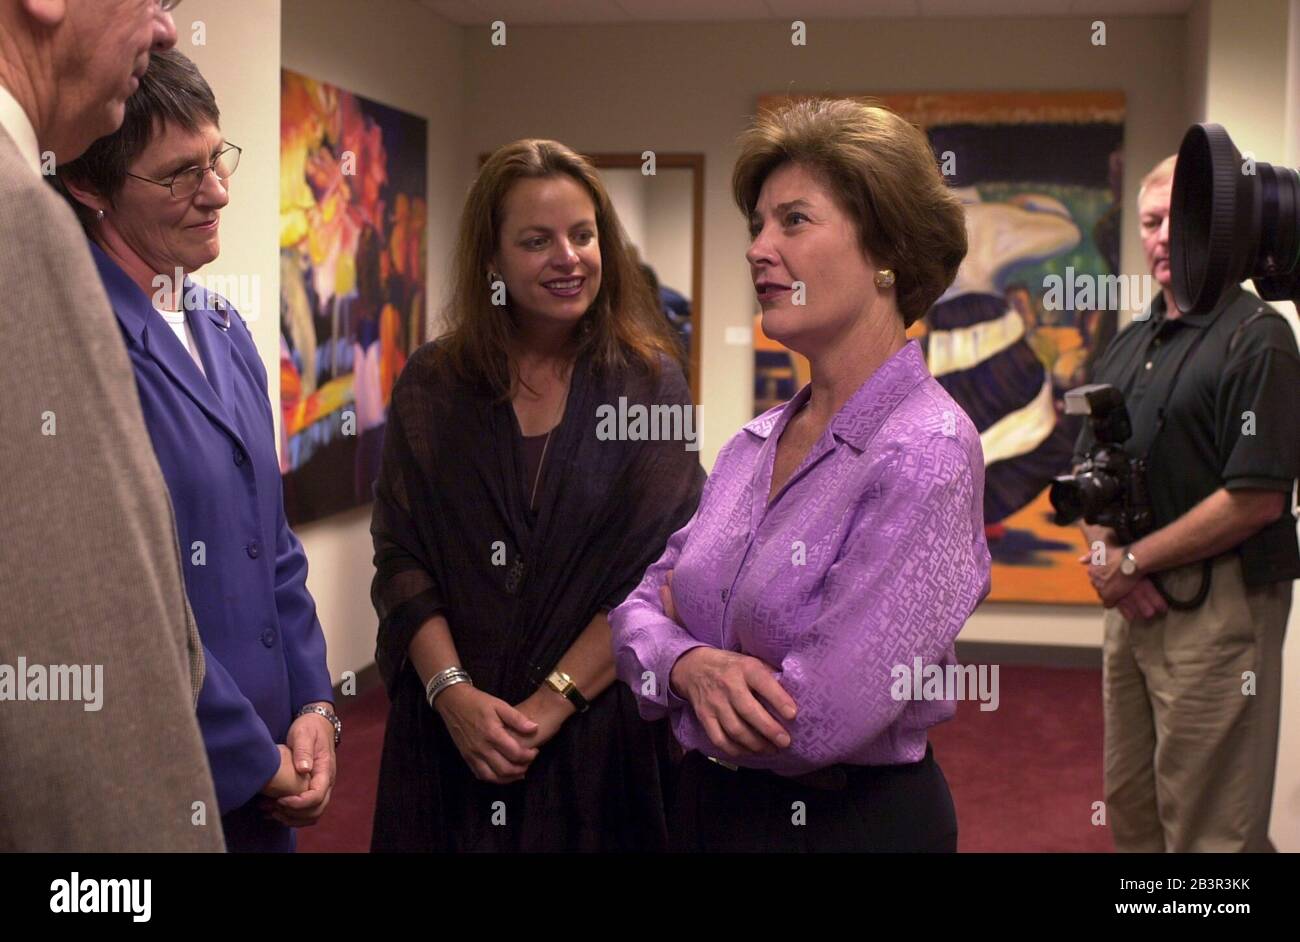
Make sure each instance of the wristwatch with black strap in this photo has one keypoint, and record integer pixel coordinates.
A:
(563, 684)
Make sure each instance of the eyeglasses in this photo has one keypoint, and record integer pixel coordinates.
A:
(186, 183)
(168, 5)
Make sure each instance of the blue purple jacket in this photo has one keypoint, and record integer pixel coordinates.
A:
(245, 571)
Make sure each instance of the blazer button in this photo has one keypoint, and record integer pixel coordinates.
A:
(239, 456)
(268, 637)
(254, 549)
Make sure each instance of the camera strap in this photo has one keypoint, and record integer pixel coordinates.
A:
(1161, 415)
(1207, 565)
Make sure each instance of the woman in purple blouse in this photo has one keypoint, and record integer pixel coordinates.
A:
(840, 537)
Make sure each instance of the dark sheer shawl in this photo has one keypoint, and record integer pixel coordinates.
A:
(451, 506)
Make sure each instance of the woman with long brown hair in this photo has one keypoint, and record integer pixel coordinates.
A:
(508, 522)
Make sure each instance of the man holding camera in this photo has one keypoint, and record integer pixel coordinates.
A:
(1196, 609)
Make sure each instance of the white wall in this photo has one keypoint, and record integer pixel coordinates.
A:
(392, 51)
(1252, 57)
(669, 219)
(626, 89)
(691, 87)
(655, 212)
(1198, 45)
(627, 191)
(612, 88)
(241, 63)
(1286, 796)
(402, 55)
(1291, 110)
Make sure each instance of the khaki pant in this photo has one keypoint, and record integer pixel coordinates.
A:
(1190, 757)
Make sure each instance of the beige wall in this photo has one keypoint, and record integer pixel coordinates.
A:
(392, 51)
(1198, 44)
(670, 88)
(1251, 54)
(655, 213)
(691, 87)
(627, 191)
(401, 55)
(250, 224)
(668, 239)
(1291, 110)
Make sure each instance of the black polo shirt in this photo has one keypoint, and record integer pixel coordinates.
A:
(1233, 419)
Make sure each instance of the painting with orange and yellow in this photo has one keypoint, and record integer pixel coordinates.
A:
(1039, 177)
(353, 184)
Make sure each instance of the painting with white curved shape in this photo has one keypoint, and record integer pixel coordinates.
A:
(1035, 302)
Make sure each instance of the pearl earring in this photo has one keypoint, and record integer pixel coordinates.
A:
(885, 278)
(99, 216)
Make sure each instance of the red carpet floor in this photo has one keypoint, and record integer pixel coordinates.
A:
(1024, 777)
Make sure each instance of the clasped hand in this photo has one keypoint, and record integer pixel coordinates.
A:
(1135, 596)
(499, 741)
(300, 790)
(724, 688)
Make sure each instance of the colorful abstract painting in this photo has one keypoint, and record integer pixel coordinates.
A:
(1040, 177)
(353, 185)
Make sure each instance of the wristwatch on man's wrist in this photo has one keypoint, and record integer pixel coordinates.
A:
(329, 715)
(563, 684)
(1129, 564)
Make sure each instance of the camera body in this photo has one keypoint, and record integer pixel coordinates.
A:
(1109, 488)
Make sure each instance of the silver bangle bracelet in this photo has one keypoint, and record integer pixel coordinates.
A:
(444, 679)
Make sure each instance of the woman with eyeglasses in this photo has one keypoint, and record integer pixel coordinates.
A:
(150, 199)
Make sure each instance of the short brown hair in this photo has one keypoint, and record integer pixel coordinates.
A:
(623, 327)
(882, 172)
(172, 91)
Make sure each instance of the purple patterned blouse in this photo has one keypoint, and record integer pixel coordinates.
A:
(870, 556)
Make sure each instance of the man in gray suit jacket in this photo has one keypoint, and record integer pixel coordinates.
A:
(100, 662)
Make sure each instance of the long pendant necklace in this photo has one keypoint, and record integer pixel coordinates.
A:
(541, 462)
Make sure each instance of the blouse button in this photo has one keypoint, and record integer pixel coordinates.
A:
(724, 595)
(268, 637)
(1148, 364)
(253, 549)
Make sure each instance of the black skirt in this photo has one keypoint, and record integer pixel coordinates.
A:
(598, 786)
(873, 808)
